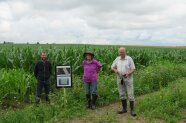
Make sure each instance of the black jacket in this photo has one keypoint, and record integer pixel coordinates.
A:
(43, 70)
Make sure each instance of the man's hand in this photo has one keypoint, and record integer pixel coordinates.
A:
(116, 71)
(126, 75)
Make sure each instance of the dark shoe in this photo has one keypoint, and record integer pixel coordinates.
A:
(124, 105)
(133, 113)
(94, 98)
(38, 100)
(88, 100)
(122, 111)
(132, 108)
(47, 99)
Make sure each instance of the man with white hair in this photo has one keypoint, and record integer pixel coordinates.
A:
(124, 67)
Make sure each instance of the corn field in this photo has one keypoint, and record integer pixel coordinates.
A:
(18, 61)
(24, 57)
(156, 68)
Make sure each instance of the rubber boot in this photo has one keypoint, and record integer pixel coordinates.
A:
(88, 100)
(124, 107)
(94, 98)
(132, 108)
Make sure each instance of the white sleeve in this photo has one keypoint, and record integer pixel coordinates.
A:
(114, 64)
(131, 63)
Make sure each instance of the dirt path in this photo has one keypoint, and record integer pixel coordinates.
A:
(108, 114)
(184, 118)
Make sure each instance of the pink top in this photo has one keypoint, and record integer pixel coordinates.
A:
(90, 70)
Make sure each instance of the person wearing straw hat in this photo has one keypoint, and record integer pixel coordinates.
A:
(91, 67)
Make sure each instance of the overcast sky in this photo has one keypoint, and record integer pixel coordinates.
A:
(128, 22)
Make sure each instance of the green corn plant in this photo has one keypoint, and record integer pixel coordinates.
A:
(15, 83)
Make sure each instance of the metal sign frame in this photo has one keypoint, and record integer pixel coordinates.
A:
(63, 76)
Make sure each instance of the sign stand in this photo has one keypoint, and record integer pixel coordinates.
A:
(63, 80)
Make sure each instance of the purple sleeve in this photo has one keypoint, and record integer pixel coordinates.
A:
(98, 65)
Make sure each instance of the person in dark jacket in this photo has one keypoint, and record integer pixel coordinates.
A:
(42, 73)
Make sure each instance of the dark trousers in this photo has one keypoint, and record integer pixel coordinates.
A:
(41, 85)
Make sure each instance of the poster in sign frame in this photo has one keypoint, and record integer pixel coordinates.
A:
(63, 76)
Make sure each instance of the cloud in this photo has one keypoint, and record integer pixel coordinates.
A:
(133, 22)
